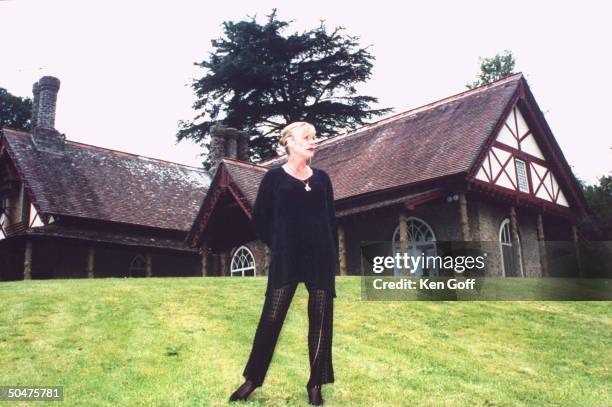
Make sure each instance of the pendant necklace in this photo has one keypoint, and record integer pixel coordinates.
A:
(306, 186)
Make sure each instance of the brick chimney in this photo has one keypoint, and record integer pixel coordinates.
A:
(227, 142)
(45, 136)
(36, 93)
(243, 146)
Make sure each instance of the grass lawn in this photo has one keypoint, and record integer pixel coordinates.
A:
(185, 341)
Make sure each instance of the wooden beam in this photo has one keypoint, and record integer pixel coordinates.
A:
(90, 262)
(403, 229)
(519, 153)
(223, 259)
(542, 246)
(27, 262)
(342, 250)
(149, 265)
(204, 259)
(577, 248)
(463, 216)
(516, 249)
(519, 198)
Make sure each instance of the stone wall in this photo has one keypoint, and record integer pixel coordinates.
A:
(443, 218)
(490, 217)
(485, 219)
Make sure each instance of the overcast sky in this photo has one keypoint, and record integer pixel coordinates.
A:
(125, 66)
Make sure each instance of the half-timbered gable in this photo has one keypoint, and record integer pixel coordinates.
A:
(516, 161)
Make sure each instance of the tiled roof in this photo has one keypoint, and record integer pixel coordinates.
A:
(436, 140)
(406, 199)
(247, 177)
(244, 179)
(122, 238)
(98, 183)
(433, 141)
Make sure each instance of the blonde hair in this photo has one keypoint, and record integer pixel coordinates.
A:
(288, 131)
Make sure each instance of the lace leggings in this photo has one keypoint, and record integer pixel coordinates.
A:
(320, 320)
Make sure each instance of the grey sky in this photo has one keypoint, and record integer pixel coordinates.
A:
(124, 65)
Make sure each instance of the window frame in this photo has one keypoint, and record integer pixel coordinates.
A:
(518, 178)
(239, 271)
(134, 267)
(506, 223)
(396, 244)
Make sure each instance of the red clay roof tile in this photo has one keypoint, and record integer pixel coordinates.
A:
(103, 184)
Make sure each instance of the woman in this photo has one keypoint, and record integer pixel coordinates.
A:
(294, 215)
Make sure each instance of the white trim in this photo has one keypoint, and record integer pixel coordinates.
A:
(35, 219)
(506, 222)
(237, 265)
(518, 175)
(414, 245)
(4, 218)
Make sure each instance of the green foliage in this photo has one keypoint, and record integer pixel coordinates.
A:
(599, 199)
(494, 69)
(15, 112)
(259, 80)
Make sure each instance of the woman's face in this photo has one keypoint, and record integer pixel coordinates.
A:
(302, 144)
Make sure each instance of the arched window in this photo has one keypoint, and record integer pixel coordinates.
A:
(138, 267)
(421, 241)
(4, 216)
(3, 224)
(509, 266)
(243, 263)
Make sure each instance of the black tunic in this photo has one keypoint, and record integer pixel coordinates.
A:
(300, 228)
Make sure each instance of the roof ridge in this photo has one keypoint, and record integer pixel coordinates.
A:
(19, 132)
(94, 147)
(245, 164)
(428, 106)
(425, 107)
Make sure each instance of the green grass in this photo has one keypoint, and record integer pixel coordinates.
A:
(185, 341)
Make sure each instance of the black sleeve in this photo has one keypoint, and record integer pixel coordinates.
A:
(331, 210)
(263, 210)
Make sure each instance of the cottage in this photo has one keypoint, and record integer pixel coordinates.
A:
(75, 210)
(480, 166)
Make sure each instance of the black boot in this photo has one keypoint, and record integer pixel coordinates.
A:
(243, 392)
(314, 395)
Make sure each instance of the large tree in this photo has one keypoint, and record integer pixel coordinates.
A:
(493, 69)
(15, 112)
(259, 80)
